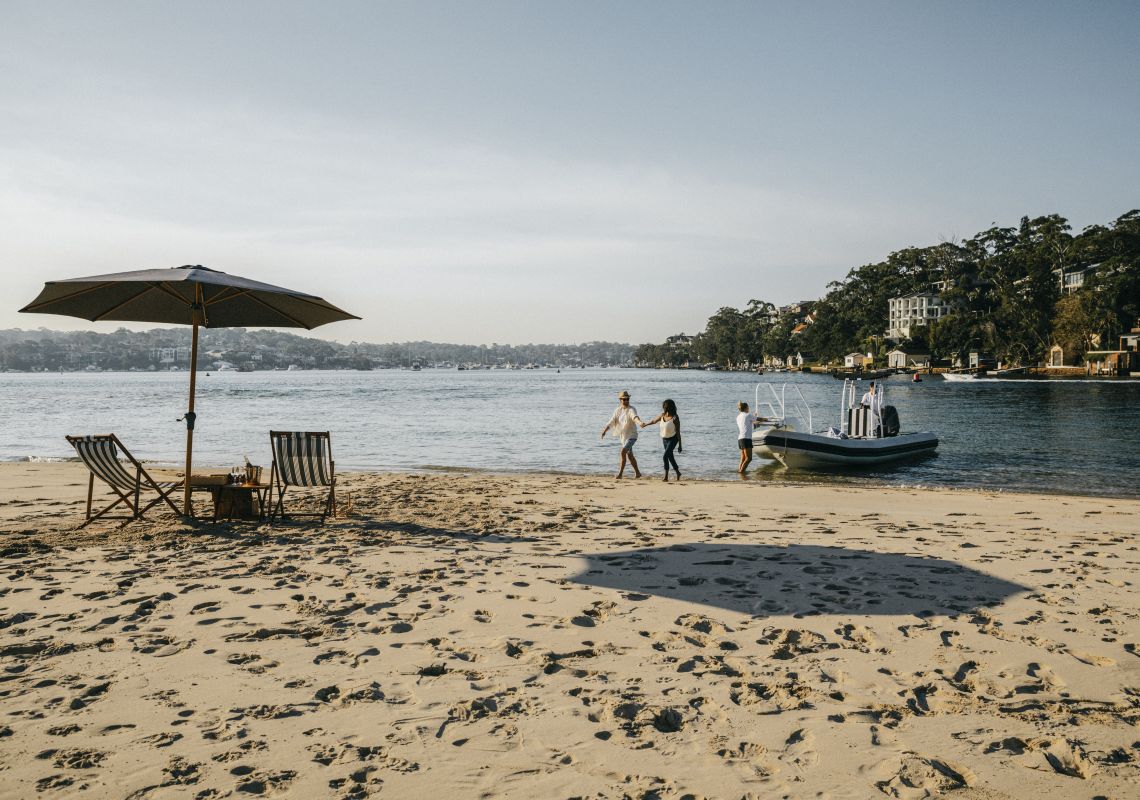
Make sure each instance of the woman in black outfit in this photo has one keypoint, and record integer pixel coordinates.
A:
(670, 423)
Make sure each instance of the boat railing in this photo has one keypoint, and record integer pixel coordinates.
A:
(782, 405)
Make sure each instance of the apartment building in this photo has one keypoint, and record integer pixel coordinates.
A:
(913, 311)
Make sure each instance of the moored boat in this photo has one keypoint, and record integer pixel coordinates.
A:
(867, 434)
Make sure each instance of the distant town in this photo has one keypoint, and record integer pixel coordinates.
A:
(249, 350)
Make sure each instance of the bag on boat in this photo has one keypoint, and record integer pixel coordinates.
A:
(890, 421)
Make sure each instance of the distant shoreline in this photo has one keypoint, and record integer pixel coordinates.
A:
(902, 376)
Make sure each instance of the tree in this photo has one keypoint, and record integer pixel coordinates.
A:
(1078, 323)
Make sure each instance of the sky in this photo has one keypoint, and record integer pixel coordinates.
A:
(520, 172)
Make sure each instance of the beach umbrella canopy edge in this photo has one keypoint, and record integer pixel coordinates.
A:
(172, 295)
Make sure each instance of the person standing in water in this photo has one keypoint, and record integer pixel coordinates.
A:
(670, 423)
(624, 422)
(745, 423)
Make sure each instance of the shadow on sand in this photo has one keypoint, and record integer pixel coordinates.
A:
(800, 580)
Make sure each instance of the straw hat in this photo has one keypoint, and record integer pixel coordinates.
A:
(623, 395)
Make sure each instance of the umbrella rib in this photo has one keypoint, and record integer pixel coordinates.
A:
(221, 297)
(276, 310)
(313, 301)
(37, 306)
(162, 287)
(130, 299)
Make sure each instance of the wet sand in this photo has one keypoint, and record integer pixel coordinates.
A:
(469, 635)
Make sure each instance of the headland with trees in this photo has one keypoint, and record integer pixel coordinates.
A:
(1013, 292)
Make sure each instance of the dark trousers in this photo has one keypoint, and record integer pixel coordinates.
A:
(670, 445)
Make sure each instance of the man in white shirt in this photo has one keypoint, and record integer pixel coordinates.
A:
(625, 424)
(874, 401)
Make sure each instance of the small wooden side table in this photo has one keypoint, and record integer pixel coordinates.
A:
(240, 501)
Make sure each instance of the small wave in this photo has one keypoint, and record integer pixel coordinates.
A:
(37, 459)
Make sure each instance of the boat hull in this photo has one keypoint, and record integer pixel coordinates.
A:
(797, 450)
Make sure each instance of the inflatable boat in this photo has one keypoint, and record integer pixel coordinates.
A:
(865, 435)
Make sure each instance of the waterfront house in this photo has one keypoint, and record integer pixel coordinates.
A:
(1056, 356)
(981, 360)
(797, 359)
(1112, 362)
(857, 361)
(1125, 361)
(1131, 341)
(901, 359)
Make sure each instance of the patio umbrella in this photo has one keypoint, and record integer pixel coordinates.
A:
(190, 295)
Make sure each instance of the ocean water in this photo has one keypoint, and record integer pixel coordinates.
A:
(1079, 437)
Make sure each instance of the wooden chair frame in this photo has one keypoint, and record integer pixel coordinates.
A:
(280, 481)
(128, 495)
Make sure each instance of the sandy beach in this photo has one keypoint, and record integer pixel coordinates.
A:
(471, 636)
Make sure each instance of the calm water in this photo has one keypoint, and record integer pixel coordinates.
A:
(1069, 437)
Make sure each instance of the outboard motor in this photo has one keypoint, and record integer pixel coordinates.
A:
(890, 421)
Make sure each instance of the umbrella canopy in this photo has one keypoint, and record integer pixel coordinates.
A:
(190, 295)
(171, 295)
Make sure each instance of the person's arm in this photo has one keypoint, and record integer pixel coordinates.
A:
(652, 421)
(678, 421)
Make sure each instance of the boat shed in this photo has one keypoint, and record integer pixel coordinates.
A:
(901, 359)
(981, 360)
(799, 358)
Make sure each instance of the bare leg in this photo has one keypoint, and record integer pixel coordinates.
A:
(633, 463)
(745, 459)
(621, 467)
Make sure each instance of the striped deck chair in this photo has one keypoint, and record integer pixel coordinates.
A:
(302, 459)
(100, 454)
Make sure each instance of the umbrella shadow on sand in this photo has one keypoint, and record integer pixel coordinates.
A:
(799, 580)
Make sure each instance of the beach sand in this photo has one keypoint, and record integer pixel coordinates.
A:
(469, 635)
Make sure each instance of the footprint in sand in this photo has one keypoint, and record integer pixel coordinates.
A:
(1045, 676)
(259, 783)
(799, 749)
(1092, 659)
(1063, 756)
(596, 614)
(919, 776)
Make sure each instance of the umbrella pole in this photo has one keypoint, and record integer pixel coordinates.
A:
(187, 511)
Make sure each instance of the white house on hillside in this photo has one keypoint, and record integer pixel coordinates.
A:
(912, 311)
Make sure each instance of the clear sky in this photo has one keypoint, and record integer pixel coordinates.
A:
(540, 171)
